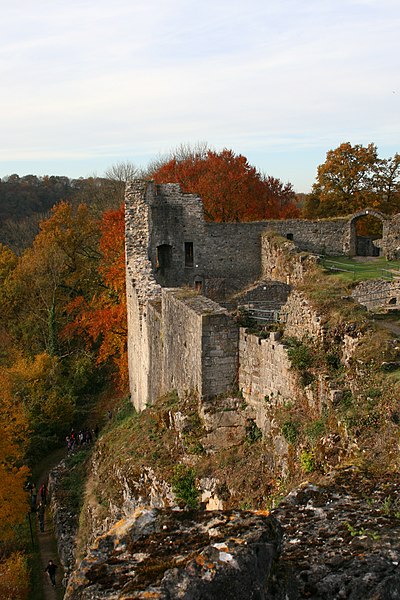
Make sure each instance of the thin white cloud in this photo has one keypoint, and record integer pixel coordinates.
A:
(86, 79)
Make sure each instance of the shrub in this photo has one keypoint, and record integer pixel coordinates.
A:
(299, 354)
(306, 378)
(290, 431)
(253, 433)
(315, 429)
(307, 461)
(333, 361)
(184, 485)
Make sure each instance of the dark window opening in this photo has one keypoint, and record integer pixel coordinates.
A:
(163, 256)
(198, 284)
(188, 254)
(393, 301)
(289, 236)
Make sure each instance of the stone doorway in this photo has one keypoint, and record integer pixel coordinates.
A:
(367, 234)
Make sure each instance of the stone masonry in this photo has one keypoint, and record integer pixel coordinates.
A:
(180, 269)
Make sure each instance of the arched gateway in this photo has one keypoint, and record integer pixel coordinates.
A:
(372, 243)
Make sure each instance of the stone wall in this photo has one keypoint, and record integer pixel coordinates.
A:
(378, 293)
(282, 261)
(231, 251)
(325, 236)
(190, 344)
(393, 238)
(265, 374)
(200, 344)
(221, 251)
(274, 292)
(301, 320)
(156, 347)
(141, 286)
(182, 341)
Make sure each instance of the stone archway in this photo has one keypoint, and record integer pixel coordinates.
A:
(367, 245)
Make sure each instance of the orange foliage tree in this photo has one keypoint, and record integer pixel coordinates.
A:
(61, 264)
(353, 178)
(231, 189)
(14, 577)
(13, 440)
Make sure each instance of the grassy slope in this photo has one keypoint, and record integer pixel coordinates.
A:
(351, 269)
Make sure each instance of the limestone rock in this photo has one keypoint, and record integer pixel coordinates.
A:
(341, 540)
(170, 555)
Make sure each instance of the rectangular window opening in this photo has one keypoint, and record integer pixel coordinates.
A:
(188, 254)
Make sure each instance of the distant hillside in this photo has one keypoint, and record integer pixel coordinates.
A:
(25, 201)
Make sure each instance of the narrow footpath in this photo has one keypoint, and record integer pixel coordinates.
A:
(48, 551)
(47, 545)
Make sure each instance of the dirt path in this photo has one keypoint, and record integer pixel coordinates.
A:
(393, 326)
(47, 551)
(46, 540)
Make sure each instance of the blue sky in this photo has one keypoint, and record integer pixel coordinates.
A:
(90, 83)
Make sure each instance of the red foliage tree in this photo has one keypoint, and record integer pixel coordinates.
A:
(231, 189)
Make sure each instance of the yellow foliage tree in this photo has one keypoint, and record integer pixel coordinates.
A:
(49, 407)
(13, 498)
(14, 579)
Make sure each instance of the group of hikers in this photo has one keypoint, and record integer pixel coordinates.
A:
(82, 438)
(36, 507)
(39, 498)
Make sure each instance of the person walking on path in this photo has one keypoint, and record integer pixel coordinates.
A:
(43, 492)
(51, 570)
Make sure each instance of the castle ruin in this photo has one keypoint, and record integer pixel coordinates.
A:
(186, 275)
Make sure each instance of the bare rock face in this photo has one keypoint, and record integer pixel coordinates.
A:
(341, 540)
(171, 555)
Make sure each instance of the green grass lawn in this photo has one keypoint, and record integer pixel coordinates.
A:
(352, 269)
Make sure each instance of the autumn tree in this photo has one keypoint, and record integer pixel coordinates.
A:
(102, 318)
(52, 373)
(387, 184)
(231, 189)
(107, 192)
(14, 505)
(352, 178)
(13, 440)
(61, 264)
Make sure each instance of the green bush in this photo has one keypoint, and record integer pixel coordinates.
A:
(306, 378)
(307, 461)
(184, 486)
(333, 361)
(315, 429)
(253, 432)
(290, 431)
(299, 354)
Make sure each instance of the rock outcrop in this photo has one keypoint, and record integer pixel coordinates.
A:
(341, 540)
(168, 555)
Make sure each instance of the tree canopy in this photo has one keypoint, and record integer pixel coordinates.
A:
(352, 178)
(231, 189)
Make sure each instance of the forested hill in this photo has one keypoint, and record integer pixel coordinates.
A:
(25, 201)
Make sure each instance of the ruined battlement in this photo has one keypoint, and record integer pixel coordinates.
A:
(181, 268)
